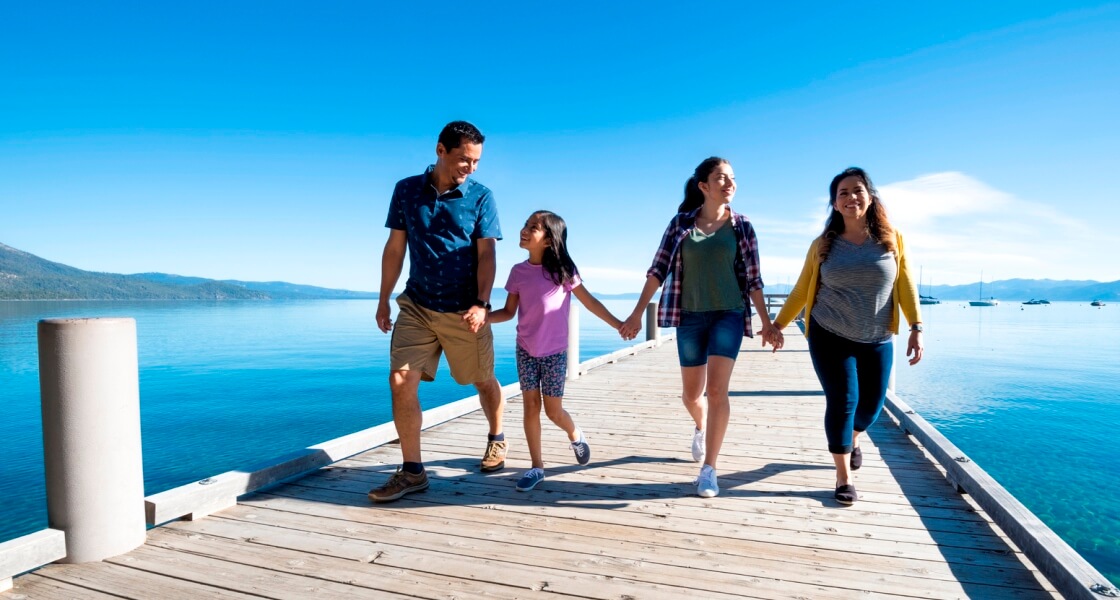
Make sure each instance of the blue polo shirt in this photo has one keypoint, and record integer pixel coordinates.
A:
(443, 233)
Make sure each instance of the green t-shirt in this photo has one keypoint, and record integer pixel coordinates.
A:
(708, 269)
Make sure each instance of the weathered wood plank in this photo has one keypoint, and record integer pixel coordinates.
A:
(204, 497)
(124, 582)
(343, 562)
(499, 573)
(244, 578)
(35, 587)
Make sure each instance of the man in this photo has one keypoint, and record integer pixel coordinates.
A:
(449, 225)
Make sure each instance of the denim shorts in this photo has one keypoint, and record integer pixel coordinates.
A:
(709, 333)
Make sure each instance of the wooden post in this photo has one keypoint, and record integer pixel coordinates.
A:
(90, 387)
(653, 332)
(573, 341)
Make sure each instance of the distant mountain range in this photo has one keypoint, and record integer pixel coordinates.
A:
(1026, 289)
(25, 276)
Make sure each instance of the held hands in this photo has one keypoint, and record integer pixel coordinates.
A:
(630, 327)
(474, 318)
(914, 346)
(773, 336)
(626, 334)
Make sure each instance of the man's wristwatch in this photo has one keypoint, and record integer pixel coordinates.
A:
(916, 327)
(483, 304)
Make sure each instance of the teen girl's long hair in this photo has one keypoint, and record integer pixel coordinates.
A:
(693, 197)
(556, 262)
(878, 226)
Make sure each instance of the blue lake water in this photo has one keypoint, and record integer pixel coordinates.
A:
(1030, 393)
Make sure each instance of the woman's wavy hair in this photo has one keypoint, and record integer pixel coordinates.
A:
(693, 197)
(556, 262)
(878, 225)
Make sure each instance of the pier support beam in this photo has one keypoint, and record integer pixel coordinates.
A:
(89, 381)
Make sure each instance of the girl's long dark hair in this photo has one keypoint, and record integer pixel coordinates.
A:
(878, 226)
(693, 197)
(556, 262)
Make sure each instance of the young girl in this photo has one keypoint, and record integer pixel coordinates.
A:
(541, 288)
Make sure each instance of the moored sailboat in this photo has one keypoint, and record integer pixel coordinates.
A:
(923, 299)
(990, 301)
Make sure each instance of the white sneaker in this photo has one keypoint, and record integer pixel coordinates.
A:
(698, 445)
(706, 486)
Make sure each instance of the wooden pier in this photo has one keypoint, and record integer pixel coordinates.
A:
(627, 525)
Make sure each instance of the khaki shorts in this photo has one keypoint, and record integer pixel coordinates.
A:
(421, 335)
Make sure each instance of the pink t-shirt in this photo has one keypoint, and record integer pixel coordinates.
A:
(542, 310)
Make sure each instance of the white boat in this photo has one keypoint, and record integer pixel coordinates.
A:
(989, 301)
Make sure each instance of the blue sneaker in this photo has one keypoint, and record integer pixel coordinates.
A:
(530, 479)
(582, 450)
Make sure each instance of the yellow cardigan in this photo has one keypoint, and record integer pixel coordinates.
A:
(905, 294)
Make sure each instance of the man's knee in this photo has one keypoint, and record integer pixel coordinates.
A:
(488, 386)
(404, 382)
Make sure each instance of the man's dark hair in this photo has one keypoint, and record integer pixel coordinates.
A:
(454, 132)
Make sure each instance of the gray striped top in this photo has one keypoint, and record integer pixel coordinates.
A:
(854, 299)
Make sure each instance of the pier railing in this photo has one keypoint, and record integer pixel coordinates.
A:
(774, 301)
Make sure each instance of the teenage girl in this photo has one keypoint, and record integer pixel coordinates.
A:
(709, 255)
(541, 289)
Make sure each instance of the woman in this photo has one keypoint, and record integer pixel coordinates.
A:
(855, 279)
(709, 254)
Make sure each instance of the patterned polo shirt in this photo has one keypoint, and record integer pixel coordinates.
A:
(443, 233)
(667, 265)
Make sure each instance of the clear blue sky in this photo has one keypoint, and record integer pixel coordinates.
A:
(261, 140)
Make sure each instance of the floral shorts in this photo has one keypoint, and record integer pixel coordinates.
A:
(546, 373)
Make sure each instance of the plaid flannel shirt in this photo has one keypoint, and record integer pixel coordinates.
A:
(667, 265)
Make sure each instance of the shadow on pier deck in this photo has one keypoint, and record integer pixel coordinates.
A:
(627, 525)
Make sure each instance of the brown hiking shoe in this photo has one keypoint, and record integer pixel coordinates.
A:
(399, 484)
(495, 457)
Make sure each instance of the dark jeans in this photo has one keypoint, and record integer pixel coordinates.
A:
(854, 376)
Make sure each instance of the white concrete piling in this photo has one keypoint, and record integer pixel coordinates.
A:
(89, 381)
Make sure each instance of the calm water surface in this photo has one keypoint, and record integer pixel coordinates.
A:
(1030, 393)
